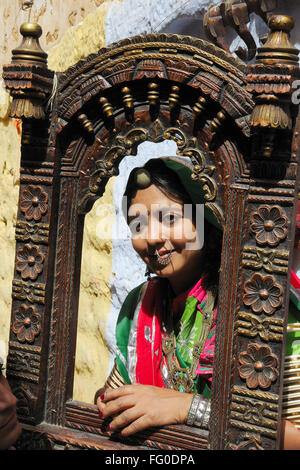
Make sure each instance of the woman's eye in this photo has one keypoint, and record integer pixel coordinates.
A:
(136, 226)
(170, 218)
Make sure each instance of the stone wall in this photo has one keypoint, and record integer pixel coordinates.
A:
(70, 33)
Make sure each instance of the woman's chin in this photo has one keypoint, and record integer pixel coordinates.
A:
(162, 270)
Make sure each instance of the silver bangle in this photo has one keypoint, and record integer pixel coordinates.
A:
(193, 410)
(199, 412)
(205, 422)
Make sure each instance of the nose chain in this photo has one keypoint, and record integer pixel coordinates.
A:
(161, 260)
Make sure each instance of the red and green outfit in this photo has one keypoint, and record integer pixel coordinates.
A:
(148, 354)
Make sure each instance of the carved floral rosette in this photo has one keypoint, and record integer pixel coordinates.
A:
(29, 287)
(268, 227)
(30, 84)
(259, 325)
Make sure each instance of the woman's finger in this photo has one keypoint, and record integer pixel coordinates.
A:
(116, 406)
(100, 405)
(112, 394)
(135, 426)
(125, 418)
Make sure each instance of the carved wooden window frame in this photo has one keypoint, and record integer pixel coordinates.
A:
(152, 87)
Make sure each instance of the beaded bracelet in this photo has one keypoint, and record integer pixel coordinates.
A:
(199, 412)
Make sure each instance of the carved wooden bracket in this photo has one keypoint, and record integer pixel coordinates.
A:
(236, 14)
(270, 80)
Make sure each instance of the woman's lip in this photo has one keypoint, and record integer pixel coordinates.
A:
(161, 254)
(164, 253)
(161, 260)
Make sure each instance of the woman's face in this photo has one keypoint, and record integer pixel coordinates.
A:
(165, 237)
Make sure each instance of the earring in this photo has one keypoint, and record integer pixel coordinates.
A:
(148, 273)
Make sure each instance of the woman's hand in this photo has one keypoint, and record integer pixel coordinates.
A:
(136, 407)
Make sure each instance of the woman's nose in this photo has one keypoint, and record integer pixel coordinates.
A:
(155, 233)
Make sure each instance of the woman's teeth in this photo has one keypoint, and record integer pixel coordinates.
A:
(163, 258)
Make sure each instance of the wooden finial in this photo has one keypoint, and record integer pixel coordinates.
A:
(127, 97)
(106, 107)
(128, 103)
(30, 52)
(27, 77)
(278, 47)
(217, 121)
(174, 97)
(153, 94)
(86, 123)
(271, 78)
(199, 106)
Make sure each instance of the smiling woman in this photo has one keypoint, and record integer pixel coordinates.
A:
(166, 328)
(160, 235)
(241, 141)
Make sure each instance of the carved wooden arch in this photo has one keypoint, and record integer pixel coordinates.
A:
(97, 123)
(152, 87)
